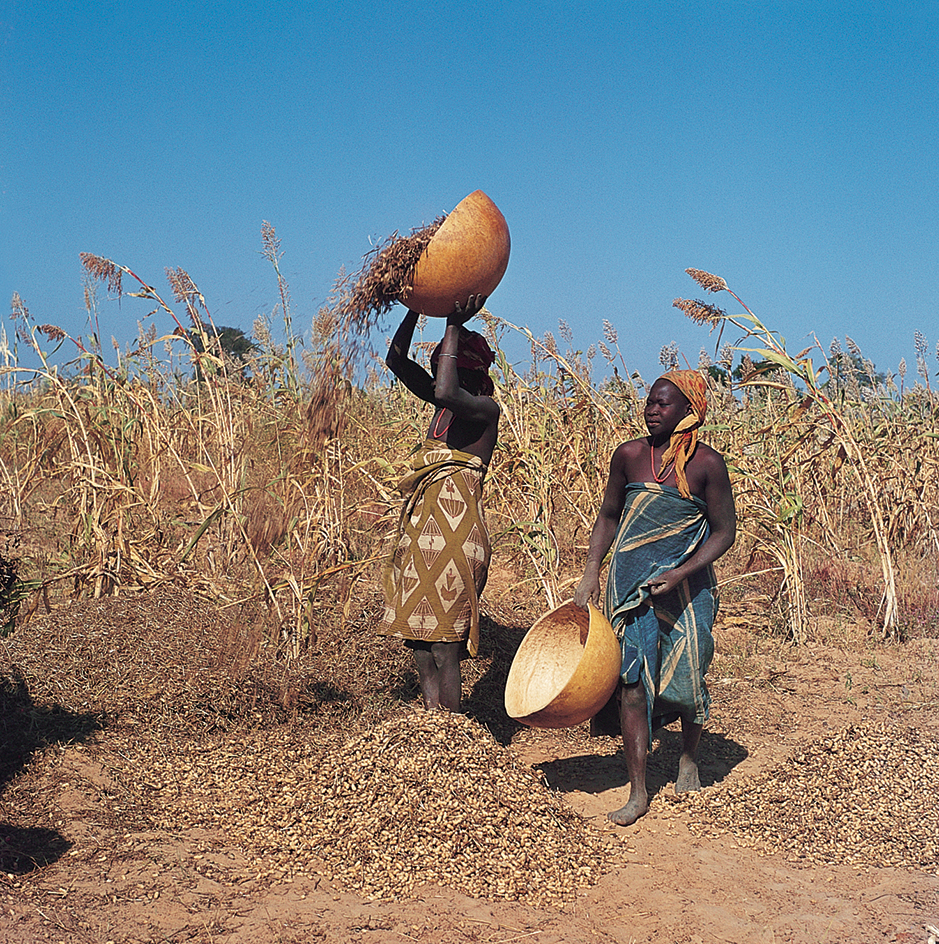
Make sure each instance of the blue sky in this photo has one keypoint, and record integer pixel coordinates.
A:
(790, 147)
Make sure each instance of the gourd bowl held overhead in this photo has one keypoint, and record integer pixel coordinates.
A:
(468, 255)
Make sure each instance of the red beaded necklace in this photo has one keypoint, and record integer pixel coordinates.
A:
(436, 431)
(668, 468)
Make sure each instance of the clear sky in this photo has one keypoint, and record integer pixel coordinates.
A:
(790, 147)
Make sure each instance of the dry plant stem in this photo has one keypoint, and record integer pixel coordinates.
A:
(778, 506)
(219, 394)
(134, 479)
(273, 253)
(801, 368)
(83, 457)
(585, 387)
(869, 490)
(536, 434)
(891, 610)
(795, 586)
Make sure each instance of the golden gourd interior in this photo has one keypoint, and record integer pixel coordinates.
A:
(565, 669)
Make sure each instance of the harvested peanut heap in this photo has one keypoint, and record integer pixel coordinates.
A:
(418, 798)
(868, 797)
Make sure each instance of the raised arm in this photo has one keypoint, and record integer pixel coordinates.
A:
(447, 390)
(408, 371)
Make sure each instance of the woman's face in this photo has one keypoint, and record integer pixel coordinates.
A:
(666, 406)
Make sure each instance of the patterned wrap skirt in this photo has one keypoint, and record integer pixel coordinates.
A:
(437, 569)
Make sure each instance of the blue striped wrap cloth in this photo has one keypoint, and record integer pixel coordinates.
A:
(666, 641)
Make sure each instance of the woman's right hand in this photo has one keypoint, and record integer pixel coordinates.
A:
(588, 591)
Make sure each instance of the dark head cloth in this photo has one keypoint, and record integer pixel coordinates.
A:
(472, 353)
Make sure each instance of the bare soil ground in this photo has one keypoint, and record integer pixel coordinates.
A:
(773, 850)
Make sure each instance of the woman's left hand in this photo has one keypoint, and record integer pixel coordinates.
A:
(664, 582)
(474, 305)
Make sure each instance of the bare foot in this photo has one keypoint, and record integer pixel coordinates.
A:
(635, 807)
(688, 780)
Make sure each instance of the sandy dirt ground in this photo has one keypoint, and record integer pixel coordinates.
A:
(110, 878)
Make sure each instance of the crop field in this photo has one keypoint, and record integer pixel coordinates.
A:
(191, 536)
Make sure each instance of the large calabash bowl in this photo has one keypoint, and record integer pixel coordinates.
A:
(468, 255)
(565, 670)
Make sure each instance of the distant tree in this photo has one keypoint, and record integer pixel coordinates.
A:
(719, 375)
(748, 368)
(862, 369)
(233, 342)
(236, 343)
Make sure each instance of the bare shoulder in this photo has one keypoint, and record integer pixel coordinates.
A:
(628, 459)
(626, 455)
(709, 461)
(704, 453)
(631, 449)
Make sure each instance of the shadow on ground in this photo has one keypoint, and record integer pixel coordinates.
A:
(25, 848)
(24, 729)
(486, 701)
(595, 773)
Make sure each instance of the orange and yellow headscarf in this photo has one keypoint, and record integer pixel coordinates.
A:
(682, 443)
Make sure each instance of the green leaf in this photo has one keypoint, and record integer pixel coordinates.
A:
(213, 517)
(783, 360)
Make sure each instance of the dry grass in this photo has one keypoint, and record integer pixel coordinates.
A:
(278, 493)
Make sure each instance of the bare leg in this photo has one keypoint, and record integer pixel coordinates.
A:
(688, 780)
(438, 667)
(447, 658)
(428, 676)
(635, 727)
